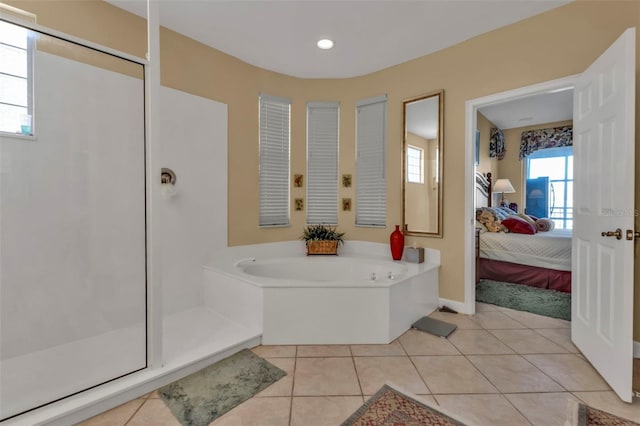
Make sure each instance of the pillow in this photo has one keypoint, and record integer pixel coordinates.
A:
(545, 225)
(506, 210)
(482, 227)
(527, 218)
(487, 217)
(518, 225)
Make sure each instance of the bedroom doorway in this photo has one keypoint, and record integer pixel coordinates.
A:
(549, 103)
(602, 268)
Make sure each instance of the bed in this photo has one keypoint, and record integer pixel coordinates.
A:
(541, 260)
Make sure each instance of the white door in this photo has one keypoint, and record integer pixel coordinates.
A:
(602, 274)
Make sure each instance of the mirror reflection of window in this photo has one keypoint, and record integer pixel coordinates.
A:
(415, 164)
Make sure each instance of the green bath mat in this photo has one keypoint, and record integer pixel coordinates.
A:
(539, 301)
(202, 397)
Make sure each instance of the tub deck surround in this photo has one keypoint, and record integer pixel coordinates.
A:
(323, 307)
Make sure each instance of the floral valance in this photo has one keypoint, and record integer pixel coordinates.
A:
(496, 143)
(534, 140)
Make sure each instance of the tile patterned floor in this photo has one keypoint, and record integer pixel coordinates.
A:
(500, 367)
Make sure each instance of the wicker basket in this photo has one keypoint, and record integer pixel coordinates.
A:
(322, 247)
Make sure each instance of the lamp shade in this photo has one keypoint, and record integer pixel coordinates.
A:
(504, 186)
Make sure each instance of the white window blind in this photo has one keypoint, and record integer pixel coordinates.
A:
(371, 183)
(274, 160)
(322, 162)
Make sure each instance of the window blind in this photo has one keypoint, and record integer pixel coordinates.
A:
(322, 162)
(371, 185)
(274, 160)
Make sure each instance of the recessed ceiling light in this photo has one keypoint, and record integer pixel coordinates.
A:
(325, 43)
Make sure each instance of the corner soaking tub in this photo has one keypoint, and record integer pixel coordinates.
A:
(358, 297)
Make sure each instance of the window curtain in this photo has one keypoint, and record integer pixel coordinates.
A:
(553, 137)
(496, 144)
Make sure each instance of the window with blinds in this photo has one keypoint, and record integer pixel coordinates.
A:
(322, 162)
(275, 115)
(371, 182)
(16, 76)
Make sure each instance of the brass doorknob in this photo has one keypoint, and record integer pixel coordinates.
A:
(617, 233)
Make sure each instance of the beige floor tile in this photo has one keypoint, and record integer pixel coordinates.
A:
(392, 349)
(512, 373)
(275, 351)
(323, 351)
(496, 320)
(284, 386)
(117, 416)
(560, 336)
(543, 409)
(461, 320)
(485, 307)
(571, 371)
(323, 410)
(537, 321)
(482, 410)
(325, 376)
(478, 342)
(417, 342)
(452, 374)
(153, 412)
(608, 401)
(374, 372)
(527, 342)
(258, 412)
(154, 394)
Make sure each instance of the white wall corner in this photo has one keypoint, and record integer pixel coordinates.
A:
(453, 304)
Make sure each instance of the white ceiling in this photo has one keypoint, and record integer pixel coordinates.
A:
(531, 110)
(369, 35)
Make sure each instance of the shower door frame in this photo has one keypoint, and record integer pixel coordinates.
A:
(151, 83)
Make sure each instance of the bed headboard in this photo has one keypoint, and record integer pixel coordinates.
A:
(483, 190)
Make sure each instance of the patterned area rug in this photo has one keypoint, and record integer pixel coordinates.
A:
(388, 407)
(207, 394)
(589, 416)
(539, 301)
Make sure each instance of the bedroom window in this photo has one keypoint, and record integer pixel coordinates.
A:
(275, 115)
(555, 164)
(415, 164)
(16, 79)
(322, 162)
(371, 178)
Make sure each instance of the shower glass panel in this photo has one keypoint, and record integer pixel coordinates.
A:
(72, 219)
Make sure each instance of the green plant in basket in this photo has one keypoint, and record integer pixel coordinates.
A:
(321, 233)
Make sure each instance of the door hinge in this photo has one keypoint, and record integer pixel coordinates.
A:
(632, 235)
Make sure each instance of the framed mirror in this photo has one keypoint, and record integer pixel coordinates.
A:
(422, 164)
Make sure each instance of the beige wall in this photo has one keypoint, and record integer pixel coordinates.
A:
(555, 44)
(486, 164)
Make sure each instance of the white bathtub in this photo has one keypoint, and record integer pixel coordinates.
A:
(297, 299)
(328, 270)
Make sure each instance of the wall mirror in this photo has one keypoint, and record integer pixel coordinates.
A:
(422, 165)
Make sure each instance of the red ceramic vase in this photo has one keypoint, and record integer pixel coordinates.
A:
(396, 241)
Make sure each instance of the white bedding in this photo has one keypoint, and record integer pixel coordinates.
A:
(551, 250)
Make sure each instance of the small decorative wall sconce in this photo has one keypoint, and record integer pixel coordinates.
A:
(346, 181)
(346, 204)
(298, 204)
(298, 181)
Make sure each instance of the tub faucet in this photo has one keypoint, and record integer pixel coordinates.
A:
(246, 259)
(373, 276)
(390, 276)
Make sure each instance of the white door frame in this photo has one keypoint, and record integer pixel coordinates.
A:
(471, 114)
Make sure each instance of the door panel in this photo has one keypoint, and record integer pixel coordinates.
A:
(602, 278)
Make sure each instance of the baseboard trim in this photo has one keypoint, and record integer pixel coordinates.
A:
(453, 304)
(636, 349)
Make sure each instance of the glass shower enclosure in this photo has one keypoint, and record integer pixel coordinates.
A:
(72, 219)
